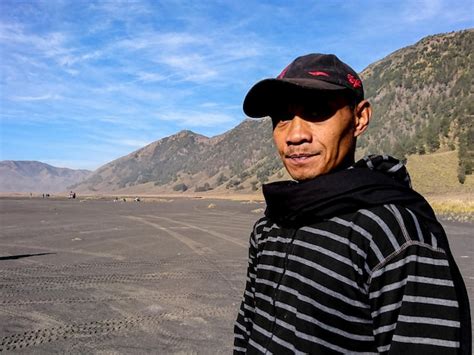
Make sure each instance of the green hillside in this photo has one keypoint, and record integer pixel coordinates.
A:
(423, 99)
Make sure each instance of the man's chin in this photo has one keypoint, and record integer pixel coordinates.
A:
(303, 175)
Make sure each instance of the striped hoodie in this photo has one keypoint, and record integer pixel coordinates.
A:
(362, 277)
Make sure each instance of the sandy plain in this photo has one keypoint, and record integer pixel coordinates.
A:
(163, 276)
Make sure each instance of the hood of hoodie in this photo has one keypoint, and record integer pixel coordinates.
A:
(372, 181)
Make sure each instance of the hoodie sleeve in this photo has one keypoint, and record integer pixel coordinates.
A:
(413, 300)
(244, 323)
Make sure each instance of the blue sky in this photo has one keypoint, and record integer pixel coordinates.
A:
(85, 82)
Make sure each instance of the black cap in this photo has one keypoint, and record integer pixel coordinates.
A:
(310, 72)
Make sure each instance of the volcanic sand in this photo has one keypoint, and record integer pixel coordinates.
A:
(104, 277)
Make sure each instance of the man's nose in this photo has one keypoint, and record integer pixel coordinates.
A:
(298, 131)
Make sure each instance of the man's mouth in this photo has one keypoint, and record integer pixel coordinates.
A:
(300, 157)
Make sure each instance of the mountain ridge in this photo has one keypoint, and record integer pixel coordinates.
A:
(35, 176)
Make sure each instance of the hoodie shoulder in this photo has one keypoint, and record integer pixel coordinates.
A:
(388, 165)
(393, 228)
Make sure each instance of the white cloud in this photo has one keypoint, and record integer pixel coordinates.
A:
(186, 56)
(53, 45)
(422, 10)
(50, 44)
(110, 119)
(150, 77)
(121, 10)
(209, 104)
(161, 42)
(191, 67)
(73, 72)
(445, 11)
(45, 97)
(69, 59)
(196, 118)
(134, 143)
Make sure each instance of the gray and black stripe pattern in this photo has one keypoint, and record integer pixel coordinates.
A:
(371, 281)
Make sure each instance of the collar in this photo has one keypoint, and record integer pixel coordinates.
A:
(372, 181)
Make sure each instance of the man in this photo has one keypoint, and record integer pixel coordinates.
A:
(348, 258)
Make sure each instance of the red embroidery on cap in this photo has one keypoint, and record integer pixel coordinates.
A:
(318, 73)
(282, 74)
(356, 83)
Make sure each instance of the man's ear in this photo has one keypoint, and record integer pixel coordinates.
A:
(362, 115)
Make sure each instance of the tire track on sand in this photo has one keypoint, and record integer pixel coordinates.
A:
(195, 246)
(208, 231)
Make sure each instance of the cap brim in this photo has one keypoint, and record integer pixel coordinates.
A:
(267, 93)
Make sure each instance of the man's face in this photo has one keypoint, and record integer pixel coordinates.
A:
(314, 135)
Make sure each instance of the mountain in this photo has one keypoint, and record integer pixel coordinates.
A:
(34, 176)
(241, 158)
(422, 99)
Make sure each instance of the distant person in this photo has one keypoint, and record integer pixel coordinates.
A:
(348, 258)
